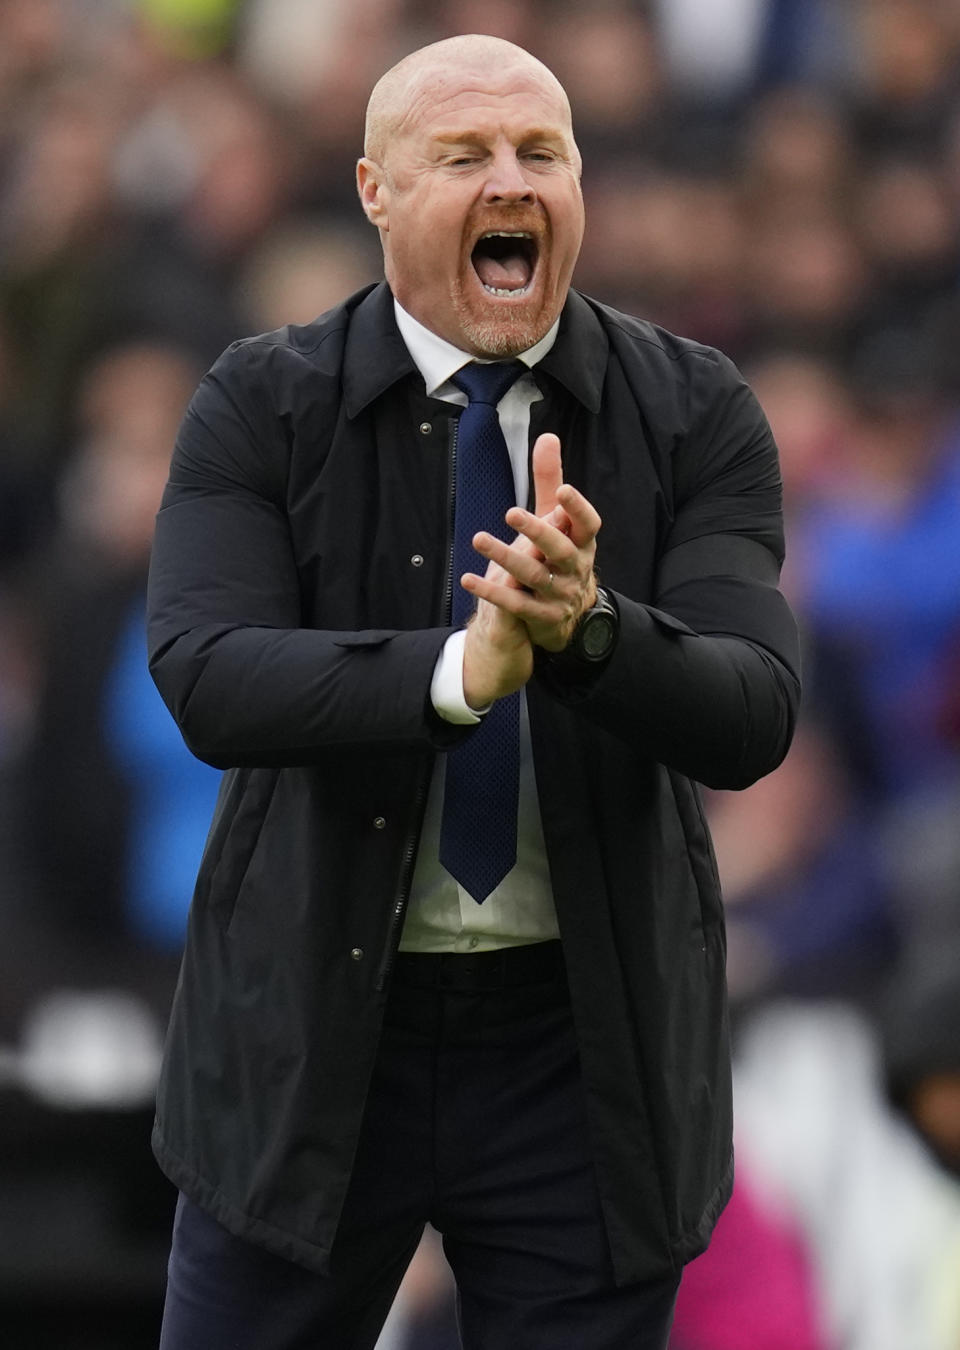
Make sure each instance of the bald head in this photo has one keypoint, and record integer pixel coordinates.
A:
(472, 176)
(427, 75)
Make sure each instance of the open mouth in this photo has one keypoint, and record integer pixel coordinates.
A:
(505, 261)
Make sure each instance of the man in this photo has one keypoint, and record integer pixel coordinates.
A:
(480, 989)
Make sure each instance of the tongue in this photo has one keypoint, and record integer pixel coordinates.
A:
(505, 274)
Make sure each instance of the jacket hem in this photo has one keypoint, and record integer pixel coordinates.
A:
(695, 1242)
(235, 1220)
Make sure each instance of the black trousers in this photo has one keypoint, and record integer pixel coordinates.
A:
(476, 1123)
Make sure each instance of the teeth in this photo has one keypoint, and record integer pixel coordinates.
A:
(507, 234)
(502, 290)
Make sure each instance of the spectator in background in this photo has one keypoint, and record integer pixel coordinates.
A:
(906, 86)
(57, 231)
(808, 907)
(921, 1040)
(108, 810)
(205, 175)
(756, 1285)
(881, 589)
(719, 52)
(609, 61)
(809, 406)
(669, 244)
(878, 1216)
(299, 270)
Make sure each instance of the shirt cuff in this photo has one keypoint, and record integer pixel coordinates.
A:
(446, 687)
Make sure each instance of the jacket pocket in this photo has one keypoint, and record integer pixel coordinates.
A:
(700, 853)
(245, 797)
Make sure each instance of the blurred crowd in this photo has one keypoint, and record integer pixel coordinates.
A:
(780, 178)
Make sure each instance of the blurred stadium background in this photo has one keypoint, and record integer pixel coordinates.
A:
(780, 178)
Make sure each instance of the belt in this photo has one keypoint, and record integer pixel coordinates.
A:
(509, 967)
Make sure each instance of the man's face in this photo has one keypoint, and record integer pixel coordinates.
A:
(480, 208)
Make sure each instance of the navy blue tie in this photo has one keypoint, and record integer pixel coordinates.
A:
(478, 834)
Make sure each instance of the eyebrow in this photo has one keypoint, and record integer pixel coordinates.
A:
(477, 138)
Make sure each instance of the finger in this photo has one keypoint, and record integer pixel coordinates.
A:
(554, 545)
(512, 599)
(526, 566)
(541, 614)
(516, 517)
(547, 472)
(584, 518)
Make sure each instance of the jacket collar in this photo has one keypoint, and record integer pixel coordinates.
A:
(376, 355)
(578, 358)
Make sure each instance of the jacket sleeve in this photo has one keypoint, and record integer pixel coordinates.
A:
(706, 678)
(245, 681)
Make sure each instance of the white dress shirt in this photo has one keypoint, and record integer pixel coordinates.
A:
(441, 915)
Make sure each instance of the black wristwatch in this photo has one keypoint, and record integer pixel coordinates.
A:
(591, 646)
(595, 636)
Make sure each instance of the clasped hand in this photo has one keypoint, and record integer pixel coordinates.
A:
(534, 589)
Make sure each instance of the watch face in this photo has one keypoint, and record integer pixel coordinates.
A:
(598, 635)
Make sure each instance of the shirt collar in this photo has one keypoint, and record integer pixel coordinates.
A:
(376, 356)
(438, 360)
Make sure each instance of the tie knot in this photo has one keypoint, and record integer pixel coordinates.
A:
(488, 383)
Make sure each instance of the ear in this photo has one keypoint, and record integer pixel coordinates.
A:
(374, 194)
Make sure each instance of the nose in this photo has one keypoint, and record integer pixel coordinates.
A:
(505, 180)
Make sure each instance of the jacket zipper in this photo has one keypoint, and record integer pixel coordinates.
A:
(410, 849)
